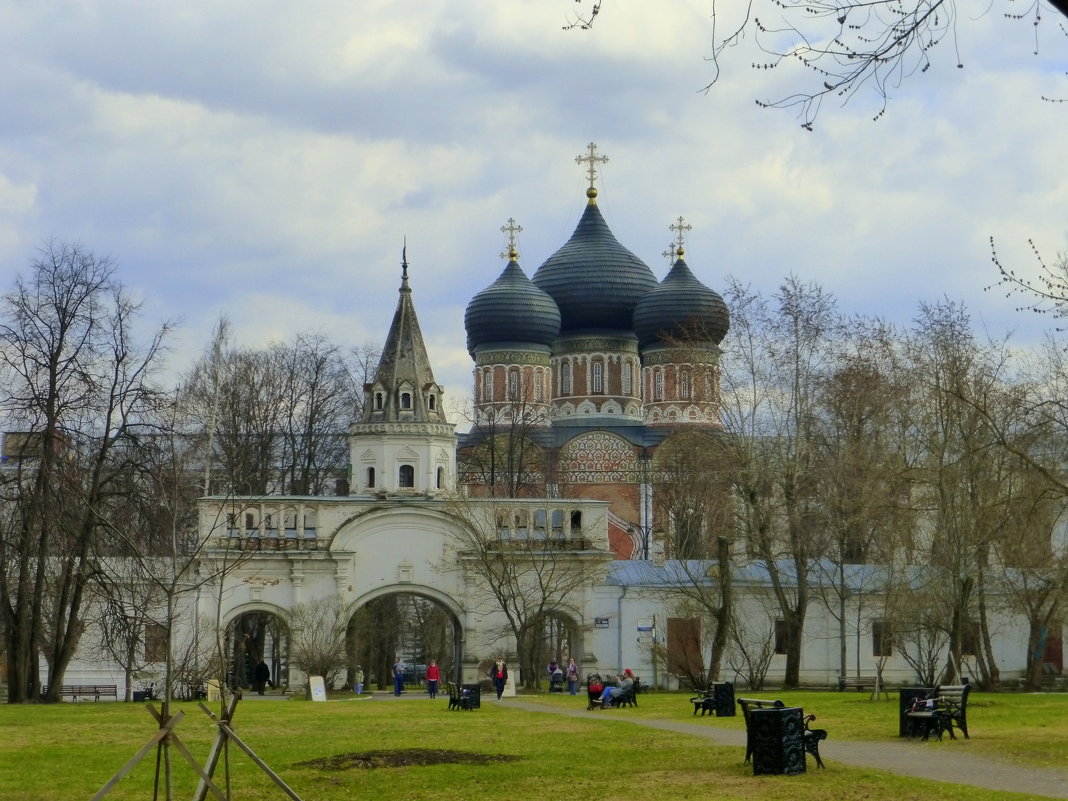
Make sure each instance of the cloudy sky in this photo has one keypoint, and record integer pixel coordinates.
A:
(267, 160)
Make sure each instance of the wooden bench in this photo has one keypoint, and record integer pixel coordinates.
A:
(810, 738)
(76, 691)
(705, 702)
(946, 709)
(856, 683)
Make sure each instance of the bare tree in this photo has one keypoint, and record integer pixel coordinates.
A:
(516, 561)
(317, 638)
(76, 379)
(776, 354)
(847, 45)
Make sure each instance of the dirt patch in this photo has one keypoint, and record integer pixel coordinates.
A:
(405, 758)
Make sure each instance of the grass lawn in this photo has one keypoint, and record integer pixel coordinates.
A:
(68, 751)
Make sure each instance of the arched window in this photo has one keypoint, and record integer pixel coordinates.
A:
(378, 401)
(406, 478)
(370, 476)
(537, 386)
(441, 477)
(658, 386)
(513, 385)
(628, 378)
(684, 385)
(598, 377)
(487, 385)
(565, 378)
(406, 400)
(430, 402)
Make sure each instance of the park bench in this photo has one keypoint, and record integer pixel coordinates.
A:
(946, 708)
(706, 701)
(810, 738)
(462, 697)
(855, 683)
(76, 691)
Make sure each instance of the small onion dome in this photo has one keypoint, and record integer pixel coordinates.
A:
(682, 309)
(511, 310)
(594, 280)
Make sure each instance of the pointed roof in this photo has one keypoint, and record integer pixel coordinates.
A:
(404, 367)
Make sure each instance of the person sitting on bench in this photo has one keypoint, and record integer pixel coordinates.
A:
(625, 682)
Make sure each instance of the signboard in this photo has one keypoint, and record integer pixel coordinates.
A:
(316, 688)
(600, 622)
(645, 624)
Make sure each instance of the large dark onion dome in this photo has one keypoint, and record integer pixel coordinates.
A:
(682, 309)
(511, 310)
(594, 280)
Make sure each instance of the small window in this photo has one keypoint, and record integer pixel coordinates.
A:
(882, 640)
(628, 378)
(378, 401)
(155, 642)
(487, 385)
(781, 637)
(441, 477)
(598, 377)
(406, 400)
(684, 385)
(430, 402)
(406, 478)
(250, 521)
(537, 387)
(658, 388)
(370, 476)
(513, 385)
(565, 379)
(576, 521)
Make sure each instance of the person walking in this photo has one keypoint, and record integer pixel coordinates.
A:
(262, 674)
(499, 674)
(398, 677)
(572, 676)
(357, 680)
(432, 677)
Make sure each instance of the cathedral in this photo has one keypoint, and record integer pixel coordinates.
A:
(582, 372)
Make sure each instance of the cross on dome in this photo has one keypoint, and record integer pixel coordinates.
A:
(510, 229)
(680, 227)
(591, 159)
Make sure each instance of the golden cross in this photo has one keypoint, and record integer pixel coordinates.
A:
(680, 227)
(511, 228)
(591, 159)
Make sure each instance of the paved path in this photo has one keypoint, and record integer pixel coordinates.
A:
(923, 760)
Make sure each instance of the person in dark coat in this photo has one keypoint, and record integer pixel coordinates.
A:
(499, 674)
(262, 675)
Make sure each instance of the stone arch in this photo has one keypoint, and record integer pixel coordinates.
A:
(436, 632)
(253, 632)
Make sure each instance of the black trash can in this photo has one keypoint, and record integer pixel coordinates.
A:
(139, 696)
(471, 695)
(905, 699)
(723, 699)
(777, 739)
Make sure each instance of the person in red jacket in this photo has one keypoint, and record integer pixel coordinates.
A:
(432, 677)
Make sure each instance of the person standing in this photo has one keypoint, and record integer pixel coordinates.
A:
(357, 680)
(572, 676)
(262, 674)
(432, 677)
(398, 676)
(499, 674)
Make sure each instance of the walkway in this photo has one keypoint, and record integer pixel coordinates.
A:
(922, 760)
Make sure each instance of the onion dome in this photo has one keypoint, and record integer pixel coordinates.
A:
(681, 308)
(595, 281)
(511, 310)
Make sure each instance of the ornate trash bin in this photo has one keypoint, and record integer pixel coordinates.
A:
(777, 738)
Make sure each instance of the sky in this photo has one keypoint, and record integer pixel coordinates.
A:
(268, 160)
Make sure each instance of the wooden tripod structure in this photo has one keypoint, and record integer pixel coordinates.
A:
(166, 738)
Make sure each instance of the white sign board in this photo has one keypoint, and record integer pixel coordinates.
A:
(316, 688)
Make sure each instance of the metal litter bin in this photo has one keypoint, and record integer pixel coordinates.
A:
(723, 699)
(778, 741)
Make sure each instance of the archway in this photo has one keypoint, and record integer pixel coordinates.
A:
(412, 625)
(254, 636)
(558, 639)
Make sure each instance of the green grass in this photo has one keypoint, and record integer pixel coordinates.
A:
(69, 751)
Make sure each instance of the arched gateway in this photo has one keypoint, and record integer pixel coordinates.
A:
(364, 548)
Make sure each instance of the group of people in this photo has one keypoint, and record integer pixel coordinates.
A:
(433, 677)
(558, 675)
(624, 683)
